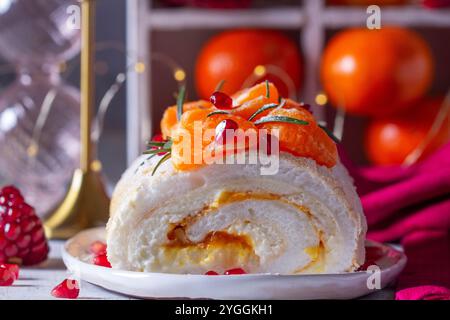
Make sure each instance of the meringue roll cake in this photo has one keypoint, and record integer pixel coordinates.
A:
(174, 211)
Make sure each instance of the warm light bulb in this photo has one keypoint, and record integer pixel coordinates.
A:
(259, 70)
(321, 99)
(96, 166)
(179, 74)
(139, 67)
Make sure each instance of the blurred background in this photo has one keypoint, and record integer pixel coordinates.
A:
(381, 91)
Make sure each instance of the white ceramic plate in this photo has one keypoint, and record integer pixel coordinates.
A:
(252, 286)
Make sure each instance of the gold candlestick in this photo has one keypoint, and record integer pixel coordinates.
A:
(86, 203)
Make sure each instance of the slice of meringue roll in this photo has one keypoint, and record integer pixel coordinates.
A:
(307, 218)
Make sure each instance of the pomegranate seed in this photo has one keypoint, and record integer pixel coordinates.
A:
(3, 242)
(11, 250)
(12, 231)
(13, 268)
(23, 241)
(68, 289)
(22, 237)
(102, 260)
(235, 271)
(222, 127)
(27, 225)
(211, 273)
(221, 100)
(37, 234)
(6, 277)
(268, 139)
(98, 248)
(10, 192)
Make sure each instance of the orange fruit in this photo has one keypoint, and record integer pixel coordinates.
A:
(234, 55)
(303, 140)
(376, 72)
(390, 140)
(169, 119)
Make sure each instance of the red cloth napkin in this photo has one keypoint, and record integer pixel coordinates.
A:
(412, 205)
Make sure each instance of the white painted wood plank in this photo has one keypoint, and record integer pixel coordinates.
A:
(339, 17)
(36, 283)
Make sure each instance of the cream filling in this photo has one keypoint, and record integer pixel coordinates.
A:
(259, 232)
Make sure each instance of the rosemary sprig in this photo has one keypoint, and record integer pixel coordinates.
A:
(155, 144)
(329, 133)
(282, 103)
(220, 85)
(217, 112)
(159, 147)
(267, 89)
(281, 119)
(156, 151)
(161, 161)
(180, 101)
(262, 109)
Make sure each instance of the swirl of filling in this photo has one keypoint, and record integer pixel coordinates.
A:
(305, 219)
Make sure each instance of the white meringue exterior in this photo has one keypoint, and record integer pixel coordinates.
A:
(144, 206)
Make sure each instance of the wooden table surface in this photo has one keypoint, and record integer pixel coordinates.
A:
(36, 283)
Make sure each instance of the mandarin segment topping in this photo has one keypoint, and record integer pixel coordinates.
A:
(258, 107)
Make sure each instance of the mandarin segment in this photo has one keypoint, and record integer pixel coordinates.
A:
(303, 140)
(259, 90)
(169, 119)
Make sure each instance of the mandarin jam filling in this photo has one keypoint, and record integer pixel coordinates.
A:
(218, 248)
(226, 249)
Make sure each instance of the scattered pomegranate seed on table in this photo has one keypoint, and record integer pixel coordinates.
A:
(235, 271)
(68, 289)
(22, 237)
(13, 268)
(211, 273)
(222, 127)
(221, 100)
(7, 278)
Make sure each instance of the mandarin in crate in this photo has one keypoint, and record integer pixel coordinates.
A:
(390, 140)
(376, 72)
(234, 55)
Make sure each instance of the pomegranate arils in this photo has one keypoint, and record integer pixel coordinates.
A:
(222, 127)
(97, 248)
(12, 231)
(268, 144)
(221, 100)
(235, 271)
(68, 289)
(101, 260)
(22, 237)
(6, 277)
(11, 250)
(211, 273)
(13, 268)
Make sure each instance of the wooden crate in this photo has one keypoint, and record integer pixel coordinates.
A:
(311, 18)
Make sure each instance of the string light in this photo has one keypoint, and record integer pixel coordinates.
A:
(259, 71)
(321, 99)
(139, 67)
(96, 166)
(179, 74)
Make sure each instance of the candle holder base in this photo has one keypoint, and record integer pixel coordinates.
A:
(86, 205)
